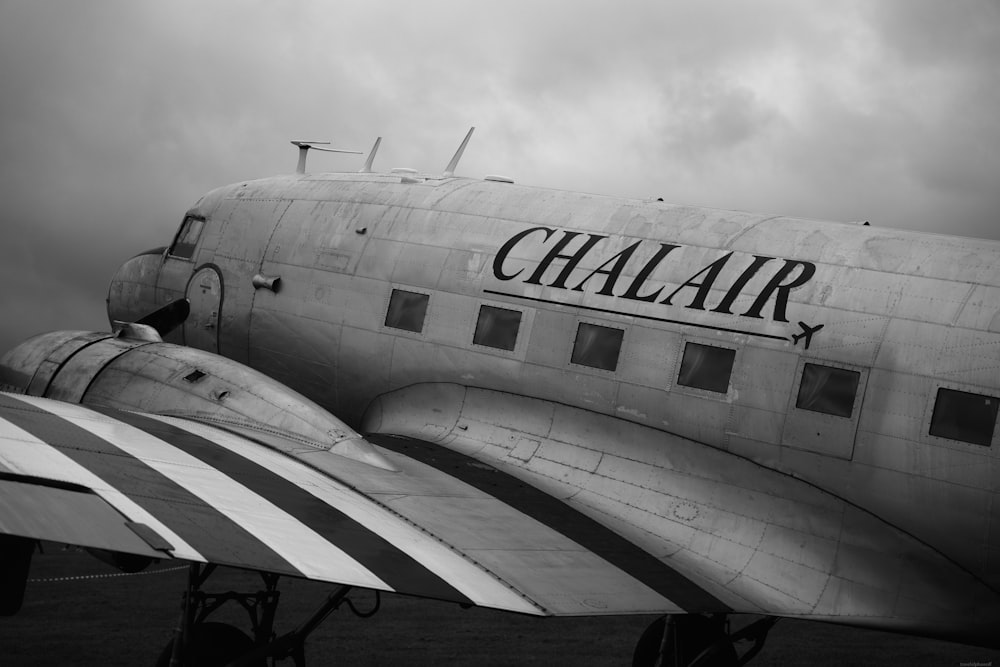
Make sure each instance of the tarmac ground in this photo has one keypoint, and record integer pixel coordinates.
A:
(75, 614)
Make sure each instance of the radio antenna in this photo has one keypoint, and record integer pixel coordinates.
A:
(367, 169)
(449, 171)
(304, 147)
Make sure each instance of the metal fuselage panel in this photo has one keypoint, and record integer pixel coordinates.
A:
(908, 312)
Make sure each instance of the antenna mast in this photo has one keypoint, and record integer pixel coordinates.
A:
(304, 147)
(367, 169)
(449, 171)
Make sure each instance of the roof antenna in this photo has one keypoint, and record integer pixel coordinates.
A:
(367, 169)
(304, 147)
(449, 171)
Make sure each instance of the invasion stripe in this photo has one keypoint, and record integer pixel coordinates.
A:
(393, 566)
(41, 464)
(483, 588)
(562, 518)
(207, 530)
(308, 552)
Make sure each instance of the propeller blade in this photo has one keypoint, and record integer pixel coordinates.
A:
(167, 318)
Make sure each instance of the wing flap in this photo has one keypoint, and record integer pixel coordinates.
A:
(42, 511)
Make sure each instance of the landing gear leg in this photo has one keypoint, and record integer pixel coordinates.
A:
(15, 561)
(696, 640)
(207, 644)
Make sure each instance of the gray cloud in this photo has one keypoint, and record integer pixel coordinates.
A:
(116, 116)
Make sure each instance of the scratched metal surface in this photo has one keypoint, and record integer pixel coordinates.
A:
(212, 496)
(910, 311)
(760, 541)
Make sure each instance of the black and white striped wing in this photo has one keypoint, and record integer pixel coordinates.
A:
(174, 488)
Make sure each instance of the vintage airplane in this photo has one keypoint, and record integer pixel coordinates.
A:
(540, 401)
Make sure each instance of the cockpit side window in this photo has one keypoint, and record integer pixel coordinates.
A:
(187, 237)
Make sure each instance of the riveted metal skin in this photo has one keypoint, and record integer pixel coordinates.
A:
(29, 367)
(908, 313)
(168, 379)
(709, 514)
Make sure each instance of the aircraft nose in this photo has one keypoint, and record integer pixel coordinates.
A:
(132, 292)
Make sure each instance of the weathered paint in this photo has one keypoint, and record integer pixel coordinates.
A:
(757, 539)
(909, 312)
(207, 494)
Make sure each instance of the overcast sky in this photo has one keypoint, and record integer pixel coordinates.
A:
(116, 116)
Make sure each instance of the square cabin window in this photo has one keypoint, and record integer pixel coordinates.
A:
(706, 367)
(497, 327)
(828, 390)
(406, 310)
(597, 346)
(187, 238)
(959, 415)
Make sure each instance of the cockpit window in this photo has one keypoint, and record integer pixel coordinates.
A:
(187, 238)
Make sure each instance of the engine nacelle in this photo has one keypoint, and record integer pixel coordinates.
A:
(148, 375)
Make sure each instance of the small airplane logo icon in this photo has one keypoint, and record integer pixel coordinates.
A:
(807, 333)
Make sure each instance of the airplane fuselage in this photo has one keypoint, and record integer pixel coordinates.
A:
(845, 356)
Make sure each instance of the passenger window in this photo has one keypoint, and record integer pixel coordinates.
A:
(406, 310)
(187, 238)
(959, 415)
(706, 367)
(597, 346)
(497, 327)
(828, 390)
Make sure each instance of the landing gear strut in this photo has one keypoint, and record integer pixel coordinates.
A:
(15, 561)
(200, 643)
(696, 640)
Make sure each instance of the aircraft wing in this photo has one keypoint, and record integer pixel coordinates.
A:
(447, 525)
(177, 489)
